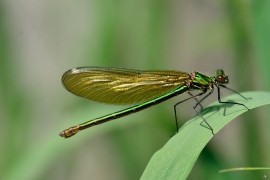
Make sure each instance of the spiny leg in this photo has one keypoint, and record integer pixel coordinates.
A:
(199, 101)
(175, 114)
(221, 85)
(219, 99)
(201, 107)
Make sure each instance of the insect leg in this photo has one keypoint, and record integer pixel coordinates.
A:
(219, 99)
(175, 114)
(199, 101)
(201, 107)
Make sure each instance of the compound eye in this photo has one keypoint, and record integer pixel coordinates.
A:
(222, 79)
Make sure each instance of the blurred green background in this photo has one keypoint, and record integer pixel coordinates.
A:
(40, 40)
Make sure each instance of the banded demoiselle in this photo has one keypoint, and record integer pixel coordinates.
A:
(144, 88)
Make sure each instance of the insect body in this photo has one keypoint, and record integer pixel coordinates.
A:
(143, 88)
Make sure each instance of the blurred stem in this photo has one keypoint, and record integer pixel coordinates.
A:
(240, 19)
(261, 27)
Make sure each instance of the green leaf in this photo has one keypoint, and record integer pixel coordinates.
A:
(176, 159)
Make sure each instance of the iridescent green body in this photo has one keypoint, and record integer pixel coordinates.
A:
(126, 86)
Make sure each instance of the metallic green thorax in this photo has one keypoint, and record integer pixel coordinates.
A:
(202, 82)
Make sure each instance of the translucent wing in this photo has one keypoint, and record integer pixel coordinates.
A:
(121, 86)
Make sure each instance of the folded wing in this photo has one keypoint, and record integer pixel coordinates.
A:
(121, 86)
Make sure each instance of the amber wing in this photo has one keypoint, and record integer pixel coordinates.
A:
(121, 86)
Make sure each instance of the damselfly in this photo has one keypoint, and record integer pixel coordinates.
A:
(144, 88)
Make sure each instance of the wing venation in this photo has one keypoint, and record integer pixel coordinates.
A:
(121, 86)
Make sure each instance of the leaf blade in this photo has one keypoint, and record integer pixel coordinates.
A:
(176, 159)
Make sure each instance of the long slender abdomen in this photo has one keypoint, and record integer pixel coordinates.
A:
(75, 129)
